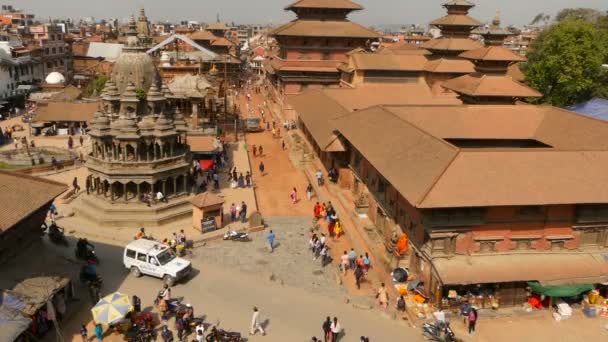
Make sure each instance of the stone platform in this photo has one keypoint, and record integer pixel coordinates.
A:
(133, 214)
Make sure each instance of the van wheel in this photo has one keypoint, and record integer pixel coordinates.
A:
(135, 272)
(168, 280)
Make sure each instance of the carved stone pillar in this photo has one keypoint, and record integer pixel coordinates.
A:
(124, 188)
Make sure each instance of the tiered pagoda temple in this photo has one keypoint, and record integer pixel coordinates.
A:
(138, 146)
(455, 39)
(314, 44)
(490, 83)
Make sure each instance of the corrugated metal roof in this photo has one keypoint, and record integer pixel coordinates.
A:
(107, 51)
(594, 108)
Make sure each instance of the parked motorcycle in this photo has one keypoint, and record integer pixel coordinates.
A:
(57, 236)
(440, 332)
(220, 335)
(237, 236)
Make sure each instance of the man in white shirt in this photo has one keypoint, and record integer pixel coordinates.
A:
(160, 197)
(255, 323)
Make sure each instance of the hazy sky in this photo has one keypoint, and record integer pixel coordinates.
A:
(271, 11)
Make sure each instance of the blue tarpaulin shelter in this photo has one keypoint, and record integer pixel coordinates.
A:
(12, 320)
(594, 108)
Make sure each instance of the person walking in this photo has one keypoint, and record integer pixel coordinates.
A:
(367, 262)
(255, 323)
(382, 296)
(472, 321)
(87, 184)
(70, 142)
(294, 196)
(465, 309)
(255, 151)
(338, 229)
(81, 140)
(352, 259)
(243, 212)
(270, 238)
(248, 179)
(327, 329)
(358, 276)
(344, 262)
(232, 213)
(262, 168)
(309, 191)
(319, 176)
(283, 144)
(324, 255)
(75, 185)
(317, 210)
(336, 329)
(166, 334)
(261, 150)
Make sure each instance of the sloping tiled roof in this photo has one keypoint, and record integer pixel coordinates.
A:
(108, 51)
(477, 84)
(206, 199)
(571, 170)
(68, 94)
(407, 157)
(336, 4)
(452, 44)
(522, 177)
(321, 28)
(202, 35)
(455, 20)
(515, 73)
(22, 195)
(222, 42)
(375, 61)
(61, 111)
(450, 65)
(315, 109)
(493, 53)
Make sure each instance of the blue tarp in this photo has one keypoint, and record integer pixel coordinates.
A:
(12, 321)
(594, 108)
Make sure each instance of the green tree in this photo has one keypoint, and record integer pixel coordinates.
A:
(587, 14)
(565, 63)
(140, 94)
(96, 86)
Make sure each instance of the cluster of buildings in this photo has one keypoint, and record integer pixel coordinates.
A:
(436, 141)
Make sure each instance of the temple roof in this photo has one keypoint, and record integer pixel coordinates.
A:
(322, 28)
(481, 85)
(450, 65)
(336, 4)
(374, 61)
(452, 44)
(493, 53)
(456, 20)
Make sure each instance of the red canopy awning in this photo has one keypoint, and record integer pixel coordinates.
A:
(206, 164)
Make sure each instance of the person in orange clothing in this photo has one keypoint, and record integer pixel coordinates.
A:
(402, 245)
(317, 210)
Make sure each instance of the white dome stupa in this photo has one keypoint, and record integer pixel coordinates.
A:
(55, 78)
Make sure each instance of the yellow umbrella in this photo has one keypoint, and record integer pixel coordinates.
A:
(112, 308)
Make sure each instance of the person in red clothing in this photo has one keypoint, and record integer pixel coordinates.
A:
(317, 210)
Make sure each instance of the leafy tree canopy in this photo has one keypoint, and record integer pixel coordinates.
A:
(565, 63)
(587, 14)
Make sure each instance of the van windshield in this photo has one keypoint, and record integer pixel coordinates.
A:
(166, 256)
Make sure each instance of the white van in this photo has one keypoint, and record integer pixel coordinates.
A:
(153, 258)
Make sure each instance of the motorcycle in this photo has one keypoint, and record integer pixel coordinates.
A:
(220, 335)
(237, 236)
(440, 332)
(85, 251)
(56, 235)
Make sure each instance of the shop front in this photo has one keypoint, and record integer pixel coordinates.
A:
(499, 281)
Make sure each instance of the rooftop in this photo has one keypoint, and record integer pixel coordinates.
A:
(482, 85)
(431, 172)
(22, 195)
(324, 28)
(336, 4)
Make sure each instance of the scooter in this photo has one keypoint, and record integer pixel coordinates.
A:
(237, 236)
(440, 332)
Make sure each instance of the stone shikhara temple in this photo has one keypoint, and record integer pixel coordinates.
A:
(138, 145)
